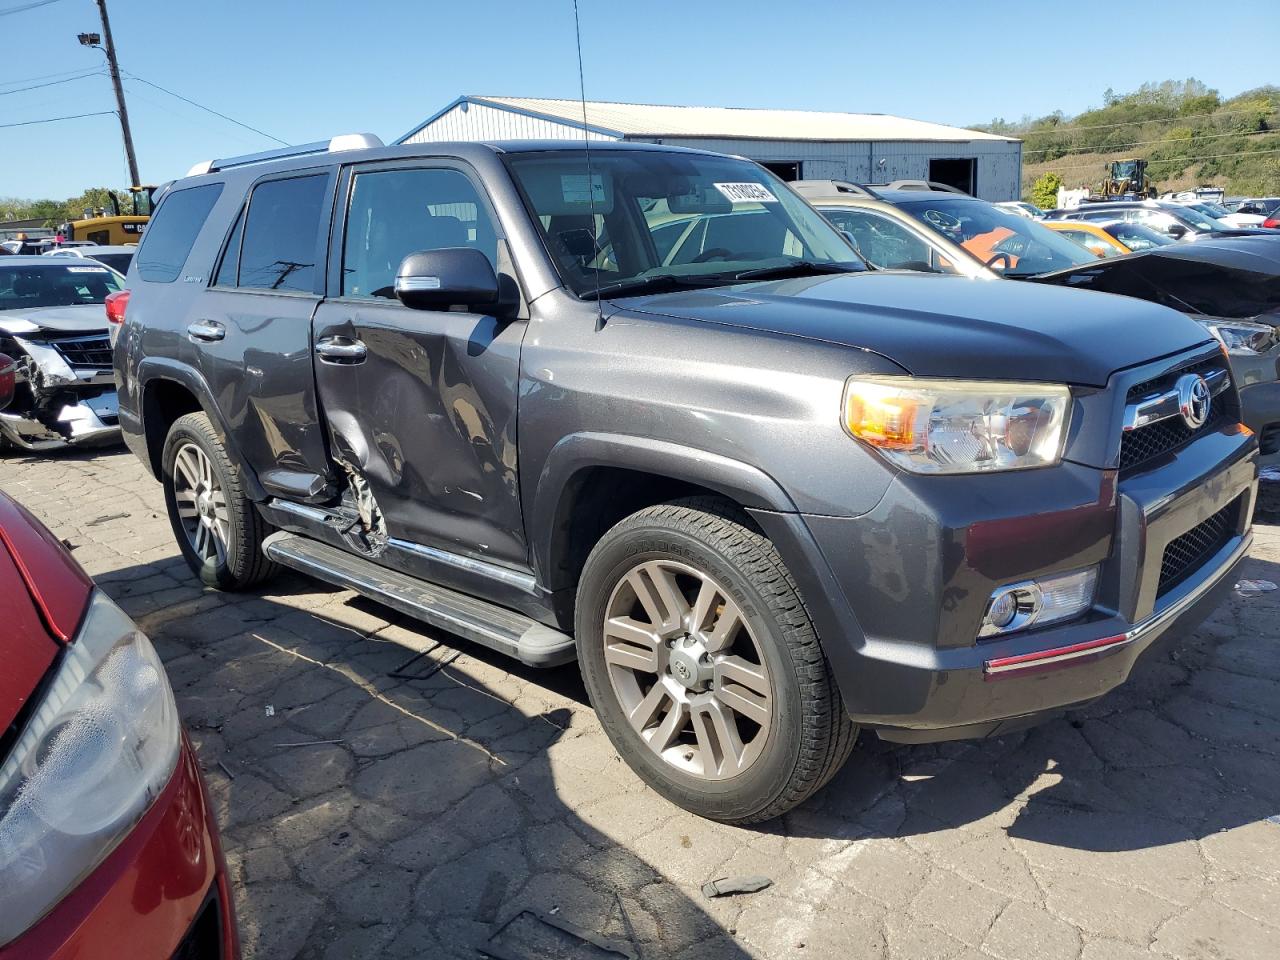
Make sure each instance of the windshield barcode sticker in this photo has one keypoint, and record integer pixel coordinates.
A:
(746, 192)
(87, 270)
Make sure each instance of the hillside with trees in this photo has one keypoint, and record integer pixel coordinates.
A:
(1189, 132)
(54, 212)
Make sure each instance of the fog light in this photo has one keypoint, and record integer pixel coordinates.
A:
(1019, 606)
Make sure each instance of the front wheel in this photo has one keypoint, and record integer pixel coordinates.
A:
(703, 665)
(218, 528)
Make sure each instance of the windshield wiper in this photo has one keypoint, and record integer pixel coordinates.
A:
(655, 283)
(801, 268)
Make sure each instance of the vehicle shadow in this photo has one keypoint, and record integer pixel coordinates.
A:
(374, 805)
(1188, 748)
(394, 809)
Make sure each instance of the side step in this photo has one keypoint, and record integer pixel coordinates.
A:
(492, 626)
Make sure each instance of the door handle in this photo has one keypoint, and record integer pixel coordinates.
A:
(340, 350)
(207, 331)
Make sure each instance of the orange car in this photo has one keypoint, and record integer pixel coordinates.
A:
(1110, 238)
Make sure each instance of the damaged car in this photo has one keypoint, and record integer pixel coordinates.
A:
(54, 330)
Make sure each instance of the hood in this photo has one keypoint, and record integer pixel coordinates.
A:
(1237, 279)
(81, 318)
(943, 326)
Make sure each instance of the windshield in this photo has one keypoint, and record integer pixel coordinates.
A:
(1196, 219)
(655, 219)
(1004, 241)
(1137, 237)
(55, 285)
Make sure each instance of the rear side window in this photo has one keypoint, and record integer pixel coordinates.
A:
(226, 276)
(172, 232)
(278, 251)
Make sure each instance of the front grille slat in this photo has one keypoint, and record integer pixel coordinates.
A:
(1146, 443)
(1188, 553)
(94, 351)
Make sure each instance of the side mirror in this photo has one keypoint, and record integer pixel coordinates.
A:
(1176, 230)
(451, 277)
(8, 380)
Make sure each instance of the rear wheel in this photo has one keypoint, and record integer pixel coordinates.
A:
(703, 665)
(218, 529)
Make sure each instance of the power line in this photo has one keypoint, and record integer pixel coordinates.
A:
(263, 133)
(43, 76)
(1068, 129)
(26, 6)
(74, 116)
(1113, 147)
(52, 83)
(1182, 160)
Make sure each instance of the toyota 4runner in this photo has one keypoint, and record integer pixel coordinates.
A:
(643, 407)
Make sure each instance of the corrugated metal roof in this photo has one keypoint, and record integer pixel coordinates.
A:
(651, 120)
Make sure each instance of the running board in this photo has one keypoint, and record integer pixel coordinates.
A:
(492, 626)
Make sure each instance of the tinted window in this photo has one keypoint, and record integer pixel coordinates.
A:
(172, 233)
(226, 276)
(118, 262)
(394, 213)
(23, 286)
(280, 235)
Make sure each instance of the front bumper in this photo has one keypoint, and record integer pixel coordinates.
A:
(164, 887)
(916, 572)
(87, 422)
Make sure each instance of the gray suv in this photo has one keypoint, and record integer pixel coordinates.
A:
(644, 408)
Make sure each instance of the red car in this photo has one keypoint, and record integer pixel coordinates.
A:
(108, 846)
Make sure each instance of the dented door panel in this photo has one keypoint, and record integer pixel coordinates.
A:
(427, 419)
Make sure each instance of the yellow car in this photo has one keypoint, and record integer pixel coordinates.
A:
(1108, 238)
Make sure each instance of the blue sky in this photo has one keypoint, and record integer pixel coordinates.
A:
(303, 71)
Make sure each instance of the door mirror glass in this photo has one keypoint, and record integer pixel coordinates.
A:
(8, 380)
(451, 277)
(1176, 230)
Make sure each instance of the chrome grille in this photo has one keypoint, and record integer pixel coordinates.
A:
(1188, 553)
(1146, 443)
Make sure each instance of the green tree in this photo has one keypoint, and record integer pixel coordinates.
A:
(1044, 192)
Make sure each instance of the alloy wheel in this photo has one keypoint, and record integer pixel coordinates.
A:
(201, 503)
(688, 670)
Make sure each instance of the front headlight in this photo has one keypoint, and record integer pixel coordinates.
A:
(958, 426)
(100, 747)
(1240, 337)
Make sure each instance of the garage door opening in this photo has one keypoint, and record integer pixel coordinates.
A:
(788, 170)
(958, 173)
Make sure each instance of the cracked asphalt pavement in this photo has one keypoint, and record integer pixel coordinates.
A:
(373, 812)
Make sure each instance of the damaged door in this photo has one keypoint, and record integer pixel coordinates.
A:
(420, 405)
(252, 332)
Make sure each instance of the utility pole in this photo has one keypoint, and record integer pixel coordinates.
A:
(109, 48)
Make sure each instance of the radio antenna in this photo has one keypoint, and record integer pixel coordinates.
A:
(591, 185)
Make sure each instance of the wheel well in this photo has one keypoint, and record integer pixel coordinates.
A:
(163, 402)
(594, 500)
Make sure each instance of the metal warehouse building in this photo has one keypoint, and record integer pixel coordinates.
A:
(795, 144)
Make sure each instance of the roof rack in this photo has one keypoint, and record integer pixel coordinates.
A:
(828, 188)
(346, 141)
(929, 185)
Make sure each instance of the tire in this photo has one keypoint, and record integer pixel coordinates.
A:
(228, 554)
(716, 768)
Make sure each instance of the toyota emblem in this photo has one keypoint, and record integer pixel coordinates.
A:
(1194, 400)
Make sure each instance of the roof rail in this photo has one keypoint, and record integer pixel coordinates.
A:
(930, 185)
(346, 141)
(830, 188)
